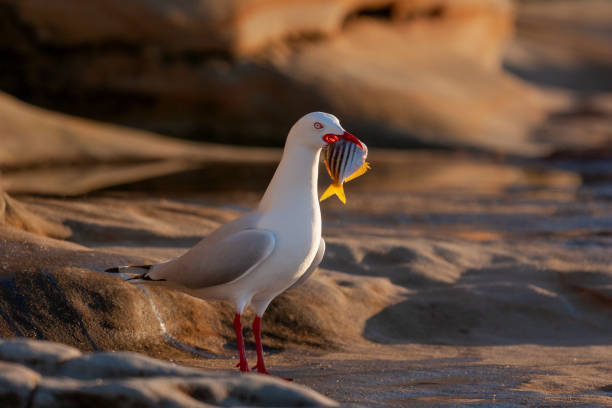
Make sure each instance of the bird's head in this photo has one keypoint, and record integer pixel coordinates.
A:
(319, 129)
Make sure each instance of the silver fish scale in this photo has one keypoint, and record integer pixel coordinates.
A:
(344, 158)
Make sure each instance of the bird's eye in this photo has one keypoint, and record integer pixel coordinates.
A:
(318, 125)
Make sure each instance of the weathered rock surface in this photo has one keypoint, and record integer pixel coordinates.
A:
(403, 72)
(42, 152)
(424, 264)
(234, 27)
(427, 274)
(44, 374)
(16, 384)
(564, 45)
(36, 355)
(15, 214)
(397, 246)
(33, 136)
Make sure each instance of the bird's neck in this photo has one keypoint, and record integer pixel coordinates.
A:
(295, 180)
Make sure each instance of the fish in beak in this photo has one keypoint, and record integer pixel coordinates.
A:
(345, 160)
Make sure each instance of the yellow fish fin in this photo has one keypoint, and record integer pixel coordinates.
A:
(364, 167)
(336, 189)
(328, 169)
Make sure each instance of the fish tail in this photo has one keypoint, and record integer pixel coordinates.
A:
(336, 189)
(364, 167)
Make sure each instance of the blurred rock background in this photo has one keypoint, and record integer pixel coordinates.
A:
(406, 73)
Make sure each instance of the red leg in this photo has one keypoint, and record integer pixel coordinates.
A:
(243, 364)
(261, 366)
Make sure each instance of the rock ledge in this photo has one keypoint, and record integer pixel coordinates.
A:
(44, 374)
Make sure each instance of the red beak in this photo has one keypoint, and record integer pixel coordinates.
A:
(352, 138)
(332, 138)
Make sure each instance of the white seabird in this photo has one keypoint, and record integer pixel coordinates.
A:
(253, 259)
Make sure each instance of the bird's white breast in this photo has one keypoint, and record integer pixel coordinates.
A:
(298, 233)
(289, 209)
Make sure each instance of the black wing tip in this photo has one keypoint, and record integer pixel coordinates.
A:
(148, 278)
(117, 269)
(145, 277)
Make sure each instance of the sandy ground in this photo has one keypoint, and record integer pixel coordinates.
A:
(424, 376)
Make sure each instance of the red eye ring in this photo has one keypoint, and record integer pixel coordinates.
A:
(318, 125)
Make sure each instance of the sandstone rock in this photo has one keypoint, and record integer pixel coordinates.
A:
(400, 73)
(178, 25)
(425, 264)
(236, 26)
(2, 203)
(33, 136)
(42, 151)
(415, 92)
(60, 295)
(129, 393)
(36, 355)
(380, 256)
(105, 379)
(15, 214)
(16, 384)
(120, 365)
(205, 391)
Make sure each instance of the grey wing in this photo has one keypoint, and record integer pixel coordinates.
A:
(216, 260)
(313, 266)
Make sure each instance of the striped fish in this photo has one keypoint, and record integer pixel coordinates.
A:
(345, 160)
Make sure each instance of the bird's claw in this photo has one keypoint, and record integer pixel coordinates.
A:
(261, 370)
(264, 371)
(244, 367)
